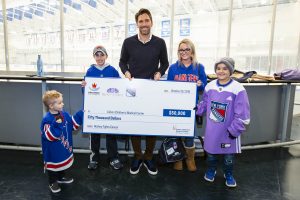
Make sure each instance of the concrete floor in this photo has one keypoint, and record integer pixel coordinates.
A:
(260, 174)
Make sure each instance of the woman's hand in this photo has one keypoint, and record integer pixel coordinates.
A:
(199, 83)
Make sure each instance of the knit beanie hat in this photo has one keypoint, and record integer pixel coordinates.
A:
(229, 62)
(99, 49)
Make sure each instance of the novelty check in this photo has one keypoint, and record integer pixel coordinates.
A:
(139, 107)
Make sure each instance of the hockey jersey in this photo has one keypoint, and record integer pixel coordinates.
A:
(108, 71)
(178, 72)
(57, 142)
(227, 112)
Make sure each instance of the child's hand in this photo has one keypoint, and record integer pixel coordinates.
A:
(195, 108)
(231, 136)
(57, 123)
(83, 83)
(59, 119)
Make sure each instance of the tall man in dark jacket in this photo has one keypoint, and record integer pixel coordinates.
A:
(143, 56)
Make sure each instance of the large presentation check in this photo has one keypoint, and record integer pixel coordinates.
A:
(139, 107)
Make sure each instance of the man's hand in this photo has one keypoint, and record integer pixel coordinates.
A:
(128, 75)
(157, 76)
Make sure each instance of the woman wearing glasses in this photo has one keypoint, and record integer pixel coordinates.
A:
(188, 69)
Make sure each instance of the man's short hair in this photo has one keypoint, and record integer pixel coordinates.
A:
(49, 97)
(141, 12)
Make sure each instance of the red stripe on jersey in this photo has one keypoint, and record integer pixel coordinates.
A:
(48, 133)
(49, 136)
(55, 166)
(75, 125)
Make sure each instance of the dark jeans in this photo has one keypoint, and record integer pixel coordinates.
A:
(136, 145)
(55, 176)
(111, 146)
(228, 161)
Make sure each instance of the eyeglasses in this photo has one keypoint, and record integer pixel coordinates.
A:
(98, 54)
(184, 50)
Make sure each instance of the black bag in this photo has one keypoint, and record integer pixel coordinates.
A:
(171, 150)
(246, 76)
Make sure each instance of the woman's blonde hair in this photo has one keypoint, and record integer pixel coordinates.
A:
(191, 45)
(50, 96)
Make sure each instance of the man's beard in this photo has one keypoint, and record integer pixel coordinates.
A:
(145, 32)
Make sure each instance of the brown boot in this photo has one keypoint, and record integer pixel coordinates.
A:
(190, 160)
(178, 165)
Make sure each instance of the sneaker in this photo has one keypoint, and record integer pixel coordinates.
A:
(116, 164)
(135, 166)
(210, 175)
(92, 165)
(65, 180)
(54, 187)
(150, 167)
(229, 180)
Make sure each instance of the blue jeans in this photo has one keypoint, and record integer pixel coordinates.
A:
(228, 161)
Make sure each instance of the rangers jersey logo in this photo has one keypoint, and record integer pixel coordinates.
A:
(218, 111)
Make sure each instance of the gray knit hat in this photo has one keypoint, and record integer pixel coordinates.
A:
(229, 62)
(99, 49)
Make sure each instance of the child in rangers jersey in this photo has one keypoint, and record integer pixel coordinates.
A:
(57, 144)
(228, 112)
